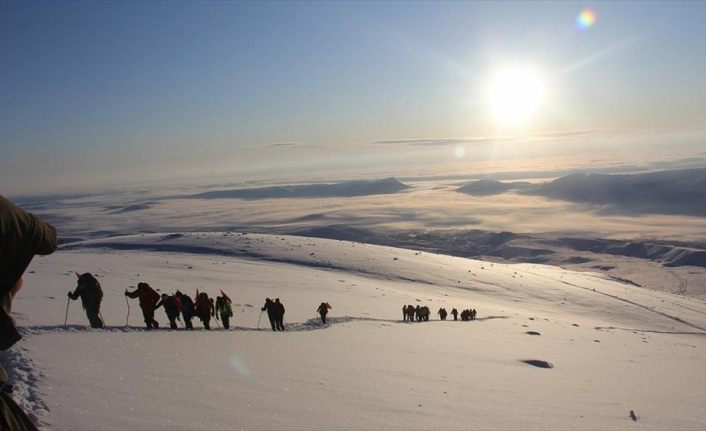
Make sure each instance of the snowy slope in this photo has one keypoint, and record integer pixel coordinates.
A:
(614, 347)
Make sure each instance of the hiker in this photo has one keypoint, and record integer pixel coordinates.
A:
(271, 312)
(89, 289)
(410, 313)
(22, 236)
(279, 321)
(404, 313)
(172, 307)
(442, 313)
(187, 309)
(473, 314)
(323, 311)
(224, 309)
(464, 315)
(204, 309)
(418, 313)
(425, 313)
(454, 313)
(148, 302)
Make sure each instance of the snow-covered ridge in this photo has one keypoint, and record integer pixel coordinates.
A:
(501, 284)
(559, 349)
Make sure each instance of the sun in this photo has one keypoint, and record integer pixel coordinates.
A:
(514, 94)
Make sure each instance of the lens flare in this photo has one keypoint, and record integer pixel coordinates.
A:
(239, 367)
(586, 19)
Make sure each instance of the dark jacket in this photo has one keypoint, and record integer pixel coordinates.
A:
(22, 236)
(89, 289)
(279, 309)
(148, 296)
(323, 308)
(270, 308)
(187, 305)
(204, 305)
(172, 305)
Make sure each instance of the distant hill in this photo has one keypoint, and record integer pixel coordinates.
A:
(666, 192)
(490, 187)
(324, 190)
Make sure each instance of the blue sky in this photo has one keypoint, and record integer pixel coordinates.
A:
(99, 92)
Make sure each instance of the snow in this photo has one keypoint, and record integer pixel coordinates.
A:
(614, 347)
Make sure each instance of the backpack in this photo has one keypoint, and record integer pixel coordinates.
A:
(187, 305)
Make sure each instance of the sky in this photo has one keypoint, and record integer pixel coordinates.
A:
(100, 93)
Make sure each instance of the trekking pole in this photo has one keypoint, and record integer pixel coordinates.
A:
(68, 301)
(258, 320)
(128, 311)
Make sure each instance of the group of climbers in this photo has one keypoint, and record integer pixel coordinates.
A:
(179, 303)
(275, 312)
(203, 307)
(175, 306)
(410, 313)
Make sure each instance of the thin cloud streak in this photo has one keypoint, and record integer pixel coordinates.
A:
(614, 49)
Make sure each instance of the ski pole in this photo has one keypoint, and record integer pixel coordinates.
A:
(258, 320)
(68, 301)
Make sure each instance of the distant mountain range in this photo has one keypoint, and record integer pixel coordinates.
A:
(342, 189)
(665, 192)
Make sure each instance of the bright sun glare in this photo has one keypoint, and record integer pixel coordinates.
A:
(514, 95)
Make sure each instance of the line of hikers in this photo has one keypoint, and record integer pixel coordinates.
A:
(181, 305)
(201, 307)
(175, 306)
(410, 313)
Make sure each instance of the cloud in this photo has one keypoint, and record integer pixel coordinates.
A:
(283, 144)
(566, 133)
(434, 141)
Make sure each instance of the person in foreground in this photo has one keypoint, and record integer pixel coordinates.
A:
(22, 236)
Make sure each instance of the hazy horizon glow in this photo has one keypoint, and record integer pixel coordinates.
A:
(98, 94)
